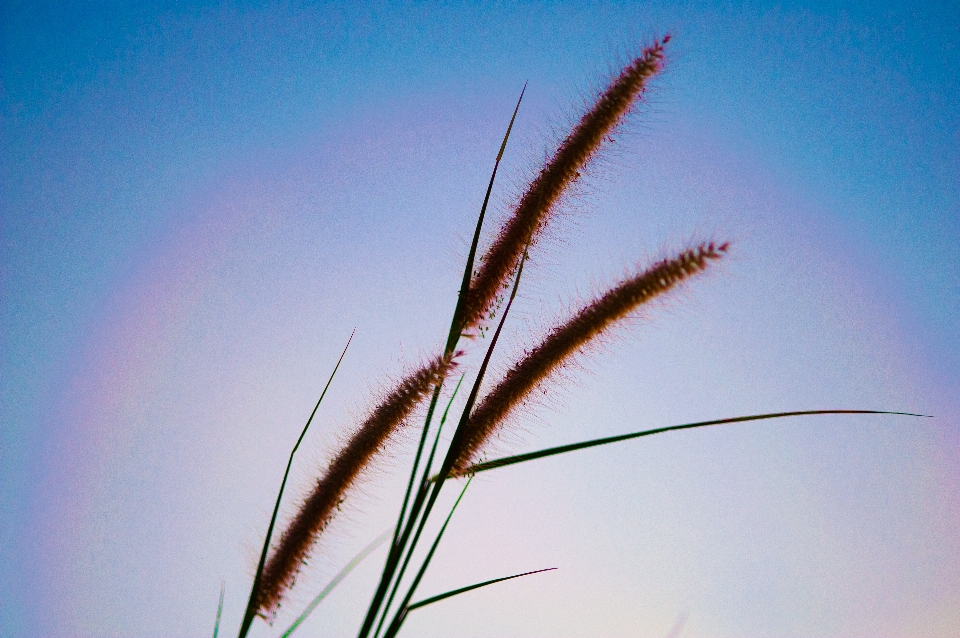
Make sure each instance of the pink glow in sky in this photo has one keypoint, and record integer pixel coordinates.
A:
(196, 226)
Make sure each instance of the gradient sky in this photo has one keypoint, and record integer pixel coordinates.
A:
(199, 203)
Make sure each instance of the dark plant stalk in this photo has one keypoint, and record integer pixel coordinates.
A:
(436, 485)
(421, 492)
(456, 325)
(456, 330)
(402, 613)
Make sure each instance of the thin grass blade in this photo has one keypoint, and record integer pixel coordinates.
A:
(252, 602)
(463, 590)
(419, 499)
(457, 325)
(531, 456)
(216, 625)
(404, 607)
(349, 567)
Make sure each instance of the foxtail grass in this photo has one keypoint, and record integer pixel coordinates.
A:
(536, 204)
(569, 338)
(328, 493)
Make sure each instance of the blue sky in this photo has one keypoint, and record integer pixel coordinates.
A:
(200, 202)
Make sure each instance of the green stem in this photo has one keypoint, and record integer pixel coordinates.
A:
(398, 620)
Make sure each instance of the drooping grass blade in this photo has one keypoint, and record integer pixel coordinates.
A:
(251, 610)
(396, 549)
(398, 620)
(216, 625)
(349, 567)
(530, 456)
(463, 590)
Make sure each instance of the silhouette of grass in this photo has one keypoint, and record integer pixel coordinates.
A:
(477, 302)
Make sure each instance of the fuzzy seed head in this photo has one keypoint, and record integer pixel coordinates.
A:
(568, 339)
(329, 492)
(535, 206)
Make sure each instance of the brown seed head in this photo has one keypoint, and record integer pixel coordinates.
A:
(534, 208)
(567, 339)
(318, 508)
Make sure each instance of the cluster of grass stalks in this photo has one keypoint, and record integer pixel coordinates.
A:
(484, 286)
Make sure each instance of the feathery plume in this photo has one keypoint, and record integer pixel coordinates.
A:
(533, 209)
(570, 337)
(319, 507)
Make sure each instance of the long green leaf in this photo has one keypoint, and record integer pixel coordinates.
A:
(349, 567)
(530, 456)
(251, 610)
(463, 590)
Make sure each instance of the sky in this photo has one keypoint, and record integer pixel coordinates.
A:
(200, 201)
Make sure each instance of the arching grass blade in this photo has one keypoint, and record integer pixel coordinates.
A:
(463, 590)
(530, 456)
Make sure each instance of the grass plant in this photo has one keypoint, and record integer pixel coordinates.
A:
(485, 282)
